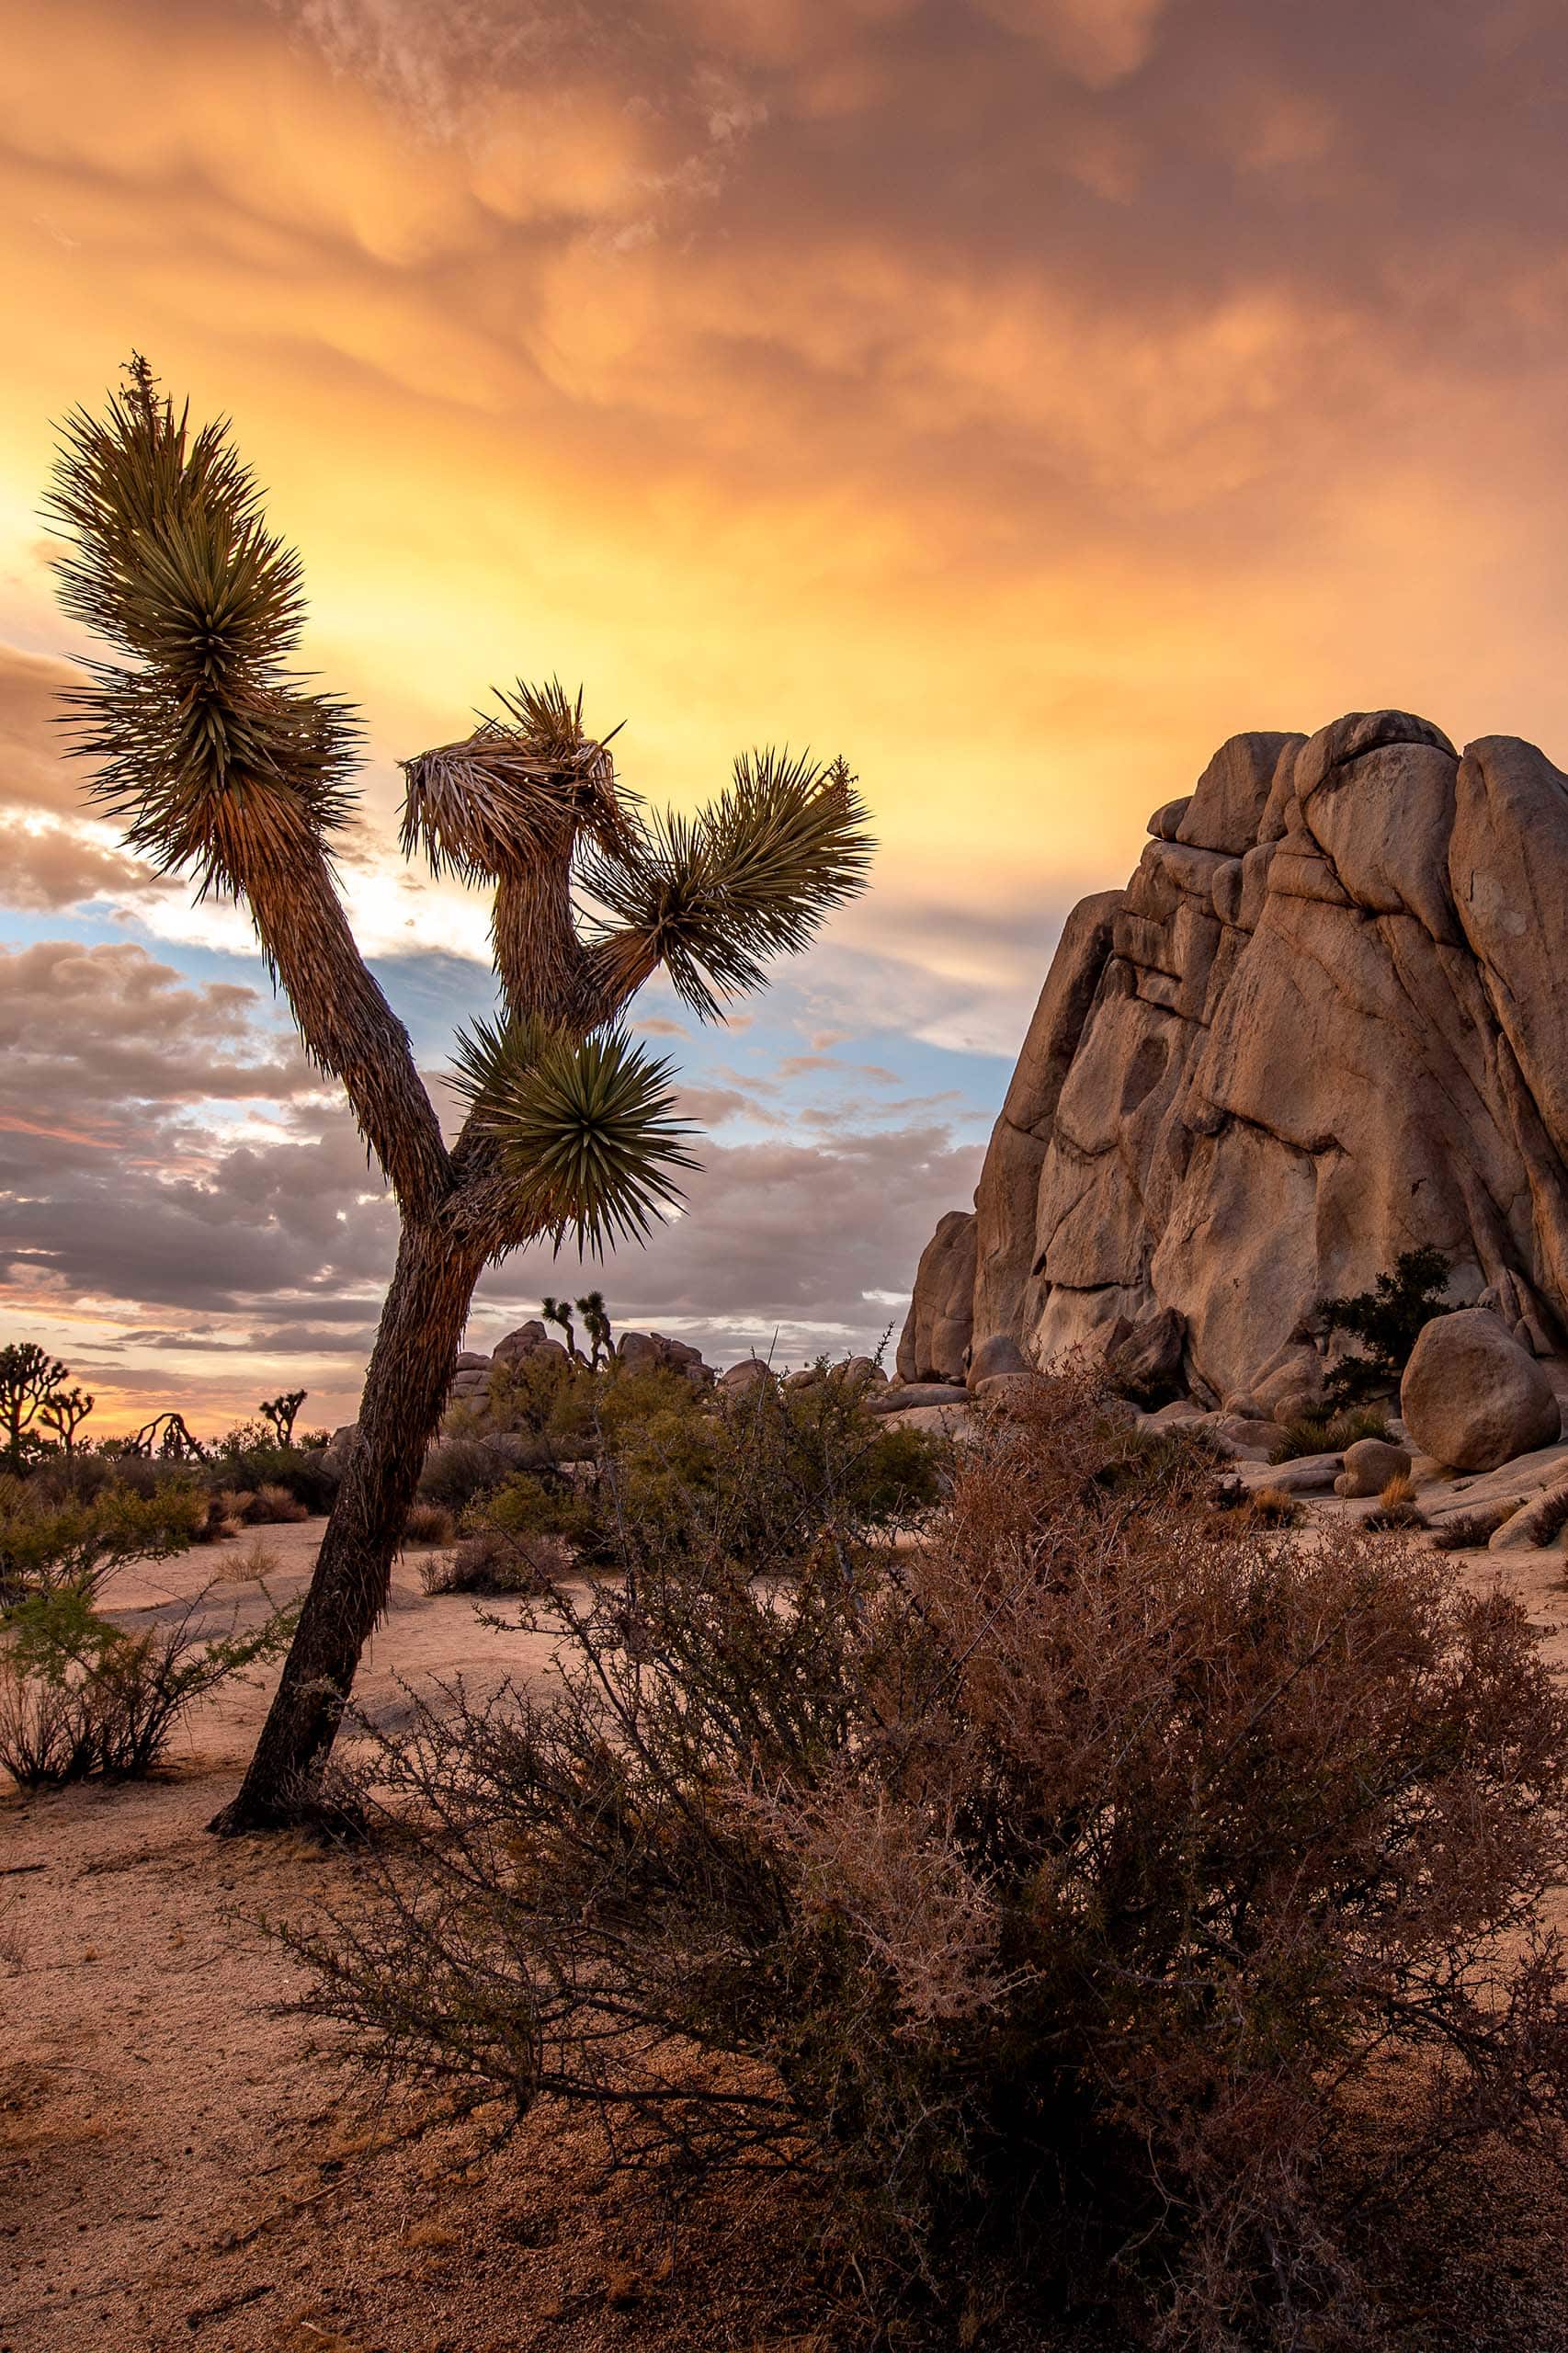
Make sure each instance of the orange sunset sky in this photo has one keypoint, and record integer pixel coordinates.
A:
(1020, 395)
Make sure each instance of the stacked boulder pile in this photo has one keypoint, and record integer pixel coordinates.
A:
(1325, 1022)
(473, 1383)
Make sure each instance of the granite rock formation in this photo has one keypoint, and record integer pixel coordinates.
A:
(1327, 1020)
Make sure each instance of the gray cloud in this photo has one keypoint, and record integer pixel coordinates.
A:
(793, 1235)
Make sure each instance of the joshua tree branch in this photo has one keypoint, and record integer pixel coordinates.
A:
(348, 1029)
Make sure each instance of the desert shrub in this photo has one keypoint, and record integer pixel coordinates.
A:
(428, 1524)
(81, 1696)
(752, 1480)
(1397, 1506)
(1063, 1888)
(1469, 1532)
(1237, 1509)
(1549, 1516)
(74, 1478)
(1272, 1508)
(217, 1524)
(74, 1545)
(458, 1470)
(492, 1563)
(274, 1505)
(547, 1399)
(1388, 1320)
(1329, 1431)
(250, 1461)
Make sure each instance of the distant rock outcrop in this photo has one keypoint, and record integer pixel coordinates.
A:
(1327, 1021)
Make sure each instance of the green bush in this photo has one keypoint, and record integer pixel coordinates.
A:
(1388, 1320)
(81, 1696)
(74, 1545)
(1062, 1890)
(745, 1479)
(1330, 1431)
(250, 1459)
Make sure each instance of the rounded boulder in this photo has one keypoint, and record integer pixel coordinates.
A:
(1369, 1464)
(1472, 1397)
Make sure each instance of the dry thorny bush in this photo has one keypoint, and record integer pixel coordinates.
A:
(1068, 1889)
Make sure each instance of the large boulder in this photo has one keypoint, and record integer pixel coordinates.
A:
(1326, 1021)
(520, 1343)
(1369, 1464)
(935, 1342)
(997, 1359)
(901, 1396)
(1472, 1397)
(744, 1379)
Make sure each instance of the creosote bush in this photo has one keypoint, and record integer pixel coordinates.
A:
(81, 1695)
(75, 1543)
(749, 1480)
(1063, 1888)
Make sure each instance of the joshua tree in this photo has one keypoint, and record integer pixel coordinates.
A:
(281, 1411)
(64, 1411)
(558, 1313)
(28, 1378)
(595, 1323)
(220, 763)
(167, 1435)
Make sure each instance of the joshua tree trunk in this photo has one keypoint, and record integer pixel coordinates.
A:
(405, 1389)
(221, 762)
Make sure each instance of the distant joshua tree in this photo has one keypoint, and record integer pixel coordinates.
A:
(28, 1378)
(168, 1436)
(596, 1324)
(64, 1411)
(558, 1313)
(281, 1411)
(222, 763)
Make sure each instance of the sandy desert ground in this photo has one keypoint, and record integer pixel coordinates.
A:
(178, 2166)
(181, 2166)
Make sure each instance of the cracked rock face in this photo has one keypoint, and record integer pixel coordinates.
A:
(1327, 1020)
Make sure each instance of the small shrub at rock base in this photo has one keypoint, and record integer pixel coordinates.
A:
(1329, 1432)
(427, 1524)
(1272, 1508)
(1062, 1890)
(1470, 1531)
(1397, 1506)
(1549, 1516)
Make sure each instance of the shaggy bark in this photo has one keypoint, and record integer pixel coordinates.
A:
(405, 1390)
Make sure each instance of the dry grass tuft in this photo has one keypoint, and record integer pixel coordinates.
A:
(1397, 1506)
(428, 1525)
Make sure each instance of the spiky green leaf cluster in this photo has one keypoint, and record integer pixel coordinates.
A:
(208, 753)
(710, 896)
(585, 1126)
